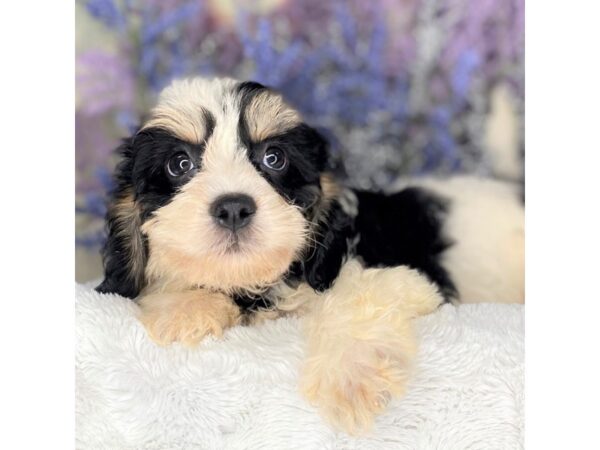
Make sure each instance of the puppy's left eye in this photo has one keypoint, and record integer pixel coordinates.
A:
(179, 164)
(274, 158)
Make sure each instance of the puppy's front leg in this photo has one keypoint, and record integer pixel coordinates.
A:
(187, 316)
(361, 342)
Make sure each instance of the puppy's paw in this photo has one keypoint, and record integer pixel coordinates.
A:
(351, 386)
(361, 344)
(187, 317)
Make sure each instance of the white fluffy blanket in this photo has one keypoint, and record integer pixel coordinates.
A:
(240, 392)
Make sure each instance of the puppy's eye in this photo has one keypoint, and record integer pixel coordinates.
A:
(179, 164)
(274, 159)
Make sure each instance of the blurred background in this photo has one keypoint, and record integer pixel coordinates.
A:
(402, 87)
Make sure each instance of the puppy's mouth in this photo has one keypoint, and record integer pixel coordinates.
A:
(235, 241)
(233, 244)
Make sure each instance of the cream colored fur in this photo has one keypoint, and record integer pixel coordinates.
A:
(361, 344)
(127, 225)
(360, 341)
(187, 247)
(188, 316)
(268, 115)
(180, 105)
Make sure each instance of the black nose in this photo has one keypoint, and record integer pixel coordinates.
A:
(233, 211)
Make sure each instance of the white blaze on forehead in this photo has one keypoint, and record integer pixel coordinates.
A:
(225, 165)
(223, 149)
(181, 106)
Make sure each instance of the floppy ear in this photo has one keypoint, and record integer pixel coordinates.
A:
(125, 253)
(333, 236)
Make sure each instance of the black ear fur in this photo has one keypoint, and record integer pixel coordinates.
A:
(125, 252)
(325, 260)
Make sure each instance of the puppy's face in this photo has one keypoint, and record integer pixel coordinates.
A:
(220, 188)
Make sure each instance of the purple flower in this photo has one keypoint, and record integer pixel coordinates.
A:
(106, 12)
(409, 80)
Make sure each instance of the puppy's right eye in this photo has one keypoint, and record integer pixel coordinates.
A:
(179, 164)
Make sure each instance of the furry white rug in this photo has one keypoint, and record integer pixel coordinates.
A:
(240, 392)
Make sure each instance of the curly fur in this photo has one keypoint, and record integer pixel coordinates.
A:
(357, 266)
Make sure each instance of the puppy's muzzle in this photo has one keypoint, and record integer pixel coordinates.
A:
(233, 211)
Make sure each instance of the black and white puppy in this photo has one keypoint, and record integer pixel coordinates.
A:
(225, 212)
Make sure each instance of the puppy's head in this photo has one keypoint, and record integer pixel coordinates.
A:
(223, 187)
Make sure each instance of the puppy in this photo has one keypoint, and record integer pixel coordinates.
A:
(225, 212)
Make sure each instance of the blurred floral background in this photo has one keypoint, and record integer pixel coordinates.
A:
(402, 87)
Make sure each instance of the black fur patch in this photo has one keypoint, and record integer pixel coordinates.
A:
(141, 173)
(249, 303)
(404, 228)
(306, 151)
(323, 264)
(119, 276)
(152, 184)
